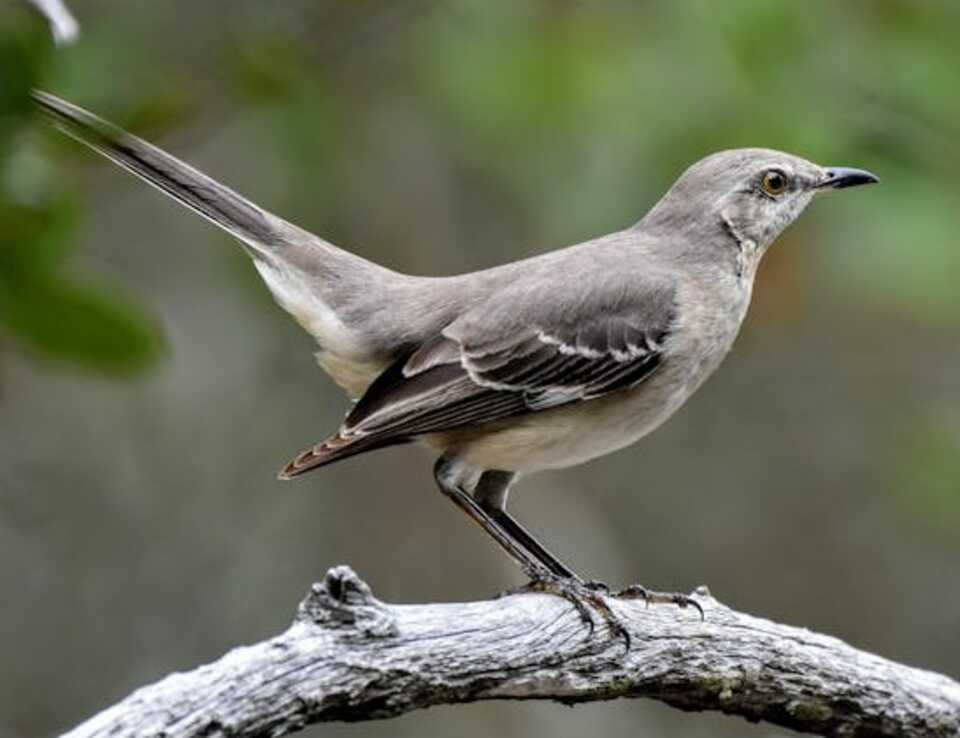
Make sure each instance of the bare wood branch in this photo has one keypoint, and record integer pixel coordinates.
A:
(350, 657)
(63, 25)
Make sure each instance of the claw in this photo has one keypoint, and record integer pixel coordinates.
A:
(638, 592)
(583, 597)
(597, 586)
(568, 591)
(587, 596)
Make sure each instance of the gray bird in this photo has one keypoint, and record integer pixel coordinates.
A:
(538, 364)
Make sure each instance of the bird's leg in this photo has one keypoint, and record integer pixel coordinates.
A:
(542, 577)
(491, 493)
(445, 473)
(486, 507)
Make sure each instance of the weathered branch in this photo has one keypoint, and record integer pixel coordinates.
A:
(63, 25)
(350, 657)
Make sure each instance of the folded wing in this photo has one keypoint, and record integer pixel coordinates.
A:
(493, 363)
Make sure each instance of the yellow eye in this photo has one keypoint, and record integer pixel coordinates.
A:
(774, 182)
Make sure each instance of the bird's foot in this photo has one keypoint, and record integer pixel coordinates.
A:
(638, 592)
(586, 598)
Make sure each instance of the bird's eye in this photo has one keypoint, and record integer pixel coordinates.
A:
(774, 182)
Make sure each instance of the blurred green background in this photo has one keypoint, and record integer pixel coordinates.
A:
(149, 388)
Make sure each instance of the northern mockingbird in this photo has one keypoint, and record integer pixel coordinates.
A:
(538, 364)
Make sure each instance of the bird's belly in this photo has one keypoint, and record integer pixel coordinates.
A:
(568, 435)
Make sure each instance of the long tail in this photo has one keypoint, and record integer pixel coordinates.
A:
(308, 276)
(253, 226)
(304, 272)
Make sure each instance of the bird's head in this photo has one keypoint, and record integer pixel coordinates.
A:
(746, 196)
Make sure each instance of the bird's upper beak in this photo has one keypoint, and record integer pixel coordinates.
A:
(837, 178)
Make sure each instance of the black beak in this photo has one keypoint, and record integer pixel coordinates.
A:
(839, 177)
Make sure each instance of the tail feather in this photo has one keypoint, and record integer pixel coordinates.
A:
(234, 213)
(307, 275)
(334, 449)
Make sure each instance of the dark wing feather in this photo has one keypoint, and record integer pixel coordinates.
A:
(467, 376)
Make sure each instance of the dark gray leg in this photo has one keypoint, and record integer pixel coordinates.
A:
(445, 472)
(542, 578)
(547, 573)
(491, 493)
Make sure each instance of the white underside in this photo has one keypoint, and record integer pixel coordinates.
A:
(342, 355)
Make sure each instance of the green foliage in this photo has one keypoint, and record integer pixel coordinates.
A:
(41, 309)
(571, 116)
(909, 233)
(269, 69)
(927, 475)
(56, 317)
(23, 54)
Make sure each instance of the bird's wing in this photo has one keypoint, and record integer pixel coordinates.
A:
(514, 354)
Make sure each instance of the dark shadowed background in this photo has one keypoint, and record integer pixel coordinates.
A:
(149, 388)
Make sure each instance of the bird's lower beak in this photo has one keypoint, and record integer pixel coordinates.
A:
(837, 178)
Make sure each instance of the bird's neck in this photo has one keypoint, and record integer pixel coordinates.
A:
(713, 245)
(747, 250)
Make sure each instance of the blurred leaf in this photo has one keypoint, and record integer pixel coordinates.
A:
(39, 308)
(34, 240)
(24, 47)
(165, 107)
(899, 247)
(85, 326)
(768, 40)
(52, 315)
(929, 476)
(268, 68)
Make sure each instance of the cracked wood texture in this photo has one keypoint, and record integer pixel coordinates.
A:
(348, 656)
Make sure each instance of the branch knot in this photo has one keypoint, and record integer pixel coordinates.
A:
(344, 600)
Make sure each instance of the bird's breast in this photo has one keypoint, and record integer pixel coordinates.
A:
(706, 327)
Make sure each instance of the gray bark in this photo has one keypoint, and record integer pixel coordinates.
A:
(63, 25)
(348, 656)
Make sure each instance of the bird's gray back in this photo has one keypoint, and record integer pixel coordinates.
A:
(418, 308)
